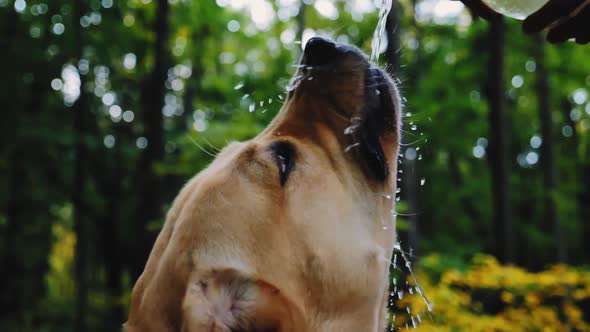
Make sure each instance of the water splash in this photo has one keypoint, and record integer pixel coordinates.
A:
(378, 36)
(408, 286)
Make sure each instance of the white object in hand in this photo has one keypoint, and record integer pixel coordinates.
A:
(518, 9)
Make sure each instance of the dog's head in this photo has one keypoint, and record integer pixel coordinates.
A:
(292, 230)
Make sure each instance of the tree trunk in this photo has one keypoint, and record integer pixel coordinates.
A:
(551, 222)
(410, 181)
(584, 208)
(150, 183)
(410, 189)
(112, 244)
(503, 246)
(80, 212)
(22, 281)
(392, 26)
(583, 193)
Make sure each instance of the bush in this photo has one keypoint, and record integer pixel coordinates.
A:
(488, 296)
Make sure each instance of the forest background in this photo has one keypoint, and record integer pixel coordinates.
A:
(109, 106)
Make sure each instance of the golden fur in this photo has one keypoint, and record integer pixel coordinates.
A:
(241, 252)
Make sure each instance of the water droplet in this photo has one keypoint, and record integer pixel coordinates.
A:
(239, 86)
(270, 100)
(251, 108)
(422, 181)
(261, 103)
(350, 147)
(414, 127)
(349, 130)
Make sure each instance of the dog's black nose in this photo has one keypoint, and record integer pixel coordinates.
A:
(320, 51)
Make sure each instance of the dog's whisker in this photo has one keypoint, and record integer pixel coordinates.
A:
(408, 214)
(216, 149)
(200, 147)
(411, 143)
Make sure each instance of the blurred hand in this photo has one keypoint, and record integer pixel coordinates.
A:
(564, 19)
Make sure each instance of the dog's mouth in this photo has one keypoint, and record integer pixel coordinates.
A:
(364, 94)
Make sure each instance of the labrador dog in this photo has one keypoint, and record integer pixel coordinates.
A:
(293, 230)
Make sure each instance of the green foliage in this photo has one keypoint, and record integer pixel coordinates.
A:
(216, 77)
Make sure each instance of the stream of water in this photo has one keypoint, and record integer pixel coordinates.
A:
(409, 286)
(378, 35)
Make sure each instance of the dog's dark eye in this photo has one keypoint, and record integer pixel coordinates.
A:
(284, 154)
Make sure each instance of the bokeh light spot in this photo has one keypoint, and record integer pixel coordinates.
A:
(233, 26)
(141, 142)
(478, 152)
(129, 61)
(109, 141)
(56, 84)
(58, 29)
(20, 6)
(536, 141)
(580, 96)
(517, 81)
